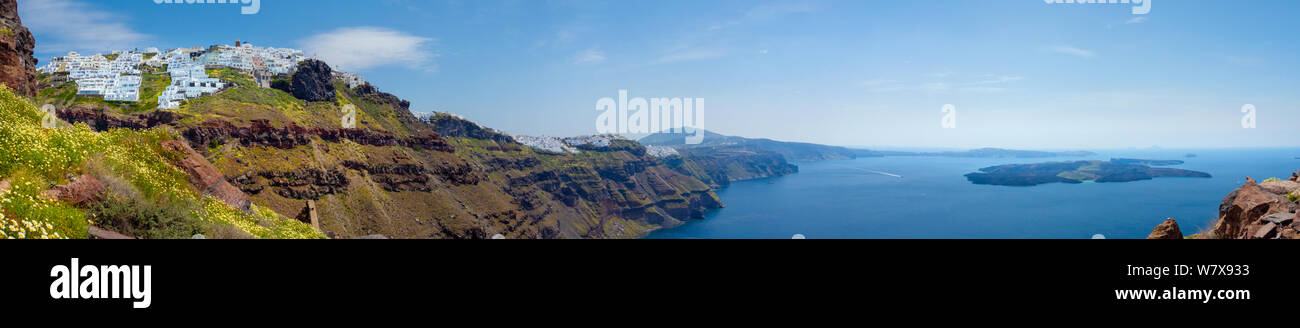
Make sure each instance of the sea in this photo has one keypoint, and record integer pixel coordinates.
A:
(930, 198)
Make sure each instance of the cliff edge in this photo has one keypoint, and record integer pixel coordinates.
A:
(1255, 211)
(17, 65)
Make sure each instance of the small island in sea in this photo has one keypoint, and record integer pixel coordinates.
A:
(1115, 170)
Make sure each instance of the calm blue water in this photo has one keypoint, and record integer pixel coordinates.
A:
(842, 199)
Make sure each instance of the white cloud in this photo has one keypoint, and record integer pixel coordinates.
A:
(63, 25)
(1000, 79)
(590, 56)
(356, 49)
(889, 86)
(1136, 20)
(1068, 50)
(689, 55)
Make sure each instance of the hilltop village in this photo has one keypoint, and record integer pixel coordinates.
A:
(118, 77)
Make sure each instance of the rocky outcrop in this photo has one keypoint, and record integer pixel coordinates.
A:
(313, 81)
(204, 177)
(1167, 230)
(303, 183)
(452, 126)
(99, 120)
(1255, 211)
(17, 65)
(263, 133)
(1241, 212)
(372, 94)
(1281, 187)
(83, 190)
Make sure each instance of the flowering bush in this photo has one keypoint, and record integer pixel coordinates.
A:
(34, 159)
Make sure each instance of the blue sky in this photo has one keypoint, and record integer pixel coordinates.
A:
(1021, 73)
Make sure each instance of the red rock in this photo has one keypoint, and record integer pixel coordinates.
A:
(1244, 207)
(1266, 231)
(1167, 230)
(204, 177)
(17, 65)
(83, 190)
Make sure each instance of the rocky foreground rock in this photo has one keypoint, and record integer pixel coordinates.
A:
(17, 65)
(1254, 211)
(1167, 230)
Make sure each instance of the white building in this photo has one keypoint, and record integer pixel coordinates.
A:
(189, 80)
(124, 88)
(96, 76)
(352, 80)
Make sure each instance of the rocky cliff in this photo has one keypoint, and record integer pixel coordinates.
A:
(1254, 211)
(395, 175)
(17, 65)
(719, 166)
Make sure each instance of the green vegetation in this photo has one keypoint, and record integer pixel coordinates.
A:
(1271, 180)
(133, 167)
(6, 31)
(1293, 196)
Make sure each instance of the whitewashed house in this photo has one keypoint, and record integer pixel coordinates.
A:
(352, 80)
(124, 88)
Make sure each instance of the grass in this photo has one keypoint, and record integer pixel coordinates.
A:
(1293, 196)
(132, 164)
(1271, 180)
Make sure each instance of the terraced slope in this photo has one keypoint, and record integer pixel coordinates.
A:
(394, 175)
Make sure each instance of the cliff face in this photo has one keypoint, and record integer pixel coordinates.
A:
(721, 165)
(1255, 211)
(17, 65)
(394, 175)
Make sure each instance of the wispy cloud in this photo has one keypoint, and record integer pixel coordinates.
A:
(63, 25)
(1068, 50)
(890, 86)
(590, 56)
(999, 79)
(1136, 20)
(690, 55)
(360, 48)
